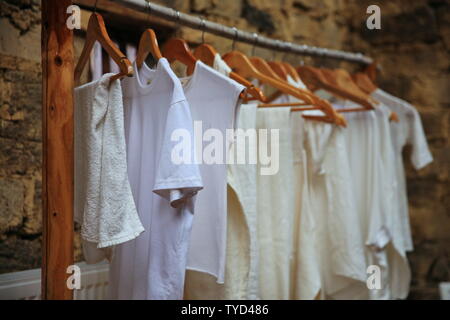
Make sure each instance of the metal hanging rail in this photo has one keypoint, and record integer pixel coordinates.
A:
(239, 35)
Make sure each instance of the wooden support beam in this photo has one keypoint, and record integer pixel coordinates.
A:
(58, 149)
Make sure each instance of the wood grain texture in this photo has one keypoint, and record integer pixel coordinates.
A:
(58, 149)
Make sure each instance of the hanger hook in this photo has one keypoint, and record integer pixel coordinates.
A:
(235, 38)
(203, 26)
(274, 52)
(177, 20)
(149, 11)
(255, 35)
(288, 50)
(95, 6)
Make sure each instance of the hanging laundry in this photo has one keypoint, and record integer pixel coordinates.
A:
(104, 205)
(399, 276)
(305, 269)
(275, 208)
(153, 266)
(339, 244)
(408, 130)
(241, 283)
(212, 99)
(242, 179)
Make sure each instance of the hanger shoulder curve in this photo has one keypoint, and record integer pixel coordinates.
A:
(96, 31)
(147, 44)
(279, 69)
(363, 82)
(291, 70)
(176, 49)
(205, 53)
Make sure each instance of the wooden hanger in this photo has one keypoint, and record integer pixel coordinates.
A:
(262, 66)
(291, 70)
(330, 114)
(338, 83)
(363, 81)
(147, 44)
(279, 69)
(241, 64)
(297, 107)
(371, 72)
(96, 31)
(344, 84)
(177, 49)
(206, 53)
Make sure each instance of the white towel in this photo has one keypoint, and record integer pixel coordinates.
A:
(104, 205)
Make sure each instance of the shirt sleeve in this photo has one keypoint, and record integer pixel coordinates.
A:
(178, 175)
(421, 155)
(238, 88)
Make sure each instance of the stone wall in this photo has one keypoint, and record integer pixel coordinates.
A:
(412, 47)
(20, 136)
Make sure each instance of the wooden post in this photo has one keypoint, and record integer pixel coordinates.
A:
(58, 149)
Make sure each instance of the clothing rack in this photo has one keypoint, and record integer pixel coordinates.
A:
(57, 52)
(235, 34)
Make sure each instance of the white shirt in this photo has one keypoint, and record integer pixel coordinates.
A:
(153, 266)
(408, 130)
(372, 159)
(212, 99)
(399, 273)
(103, 202)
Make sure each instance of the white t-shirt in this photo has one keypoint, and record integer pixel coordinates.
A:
(399, 273)
(372, 159)
(408, 130)
(212, 99)
(153, 266)
(104, 205)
